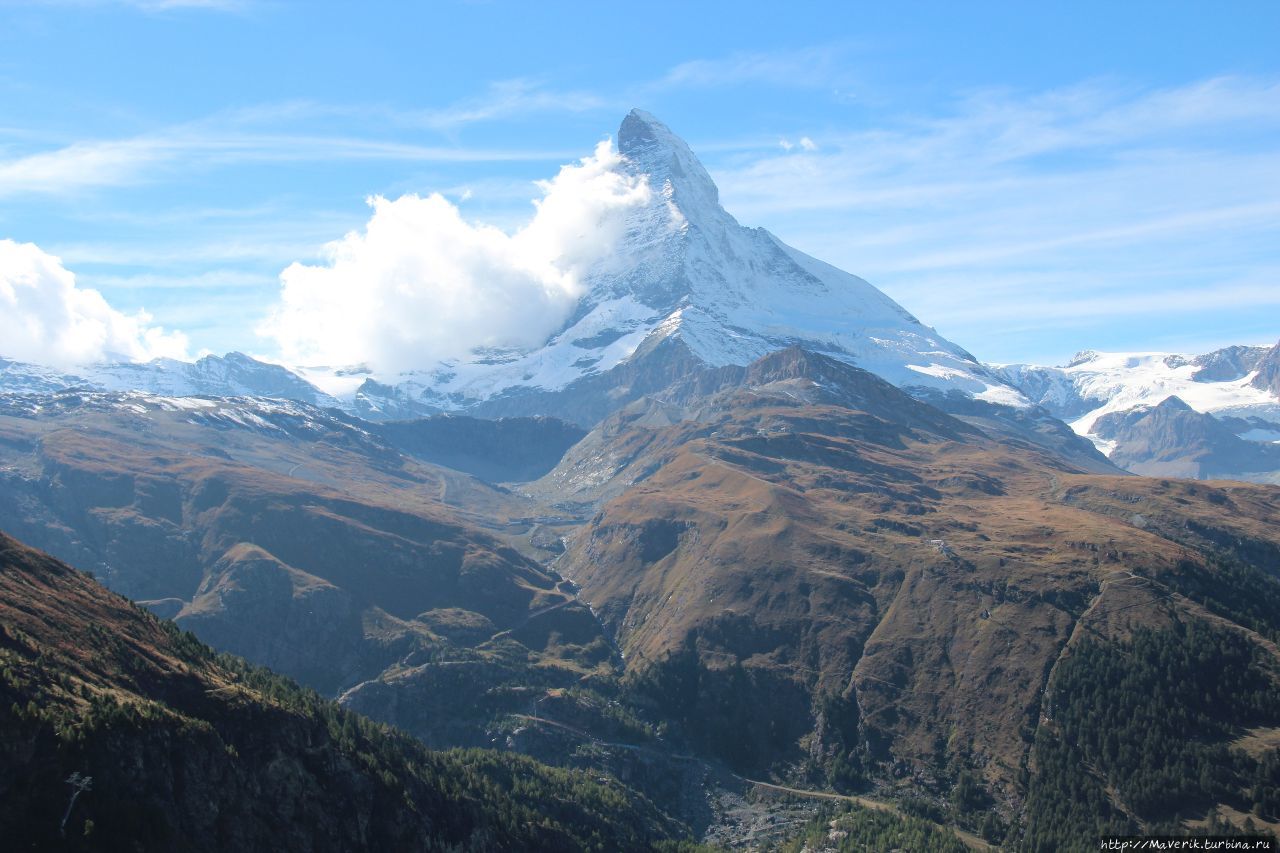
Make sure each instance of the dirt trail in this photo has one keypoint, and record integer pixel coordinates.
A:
(566, 601)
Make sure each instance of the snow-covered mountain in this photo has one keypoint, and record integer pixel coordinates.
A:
(687, 288)
(1173, 414)
(232, 375)
(715, 292)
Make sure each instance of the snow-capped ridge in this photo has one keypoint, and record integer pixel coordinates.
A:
(655, 151)
(1234, 387)
(232, 375)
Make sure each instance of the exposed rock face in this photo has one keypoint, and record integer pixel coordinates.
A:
(1174, 440)
(1227, 364)
(1268, 368)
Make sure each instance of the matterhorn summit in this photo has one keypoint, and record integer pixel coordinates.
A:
(687, 286)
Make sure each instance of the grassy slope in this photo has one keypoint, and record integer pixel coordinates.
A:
(778, 549)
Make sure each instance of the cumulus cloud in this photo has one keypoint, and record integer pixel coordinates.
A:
(45, 318)
(421, 284)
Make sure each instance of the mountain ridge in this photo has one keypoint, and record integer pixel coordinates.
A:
(1105, 397)
(232, 375)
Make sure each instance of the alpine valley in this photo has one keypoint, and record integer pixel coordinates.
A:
(743, 554)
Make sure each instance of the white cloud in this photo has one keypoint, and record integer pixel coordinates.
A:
(420, 284)
(46, 318)
(152, 5)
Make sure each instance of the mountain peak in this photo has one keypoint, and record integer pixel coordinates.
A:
(1083, 357)
(1268, 367)
(641, 131)
(666, 158)
(640, 122)
(1174, 403)
(685, 270)
(793, 362)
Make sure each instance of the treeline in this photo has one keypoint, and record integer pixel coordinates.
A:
(1139, 734)
(1239, 591)
(232, 756)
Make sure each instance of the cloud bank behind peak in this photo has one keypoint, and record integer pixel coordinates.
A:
(420, 284)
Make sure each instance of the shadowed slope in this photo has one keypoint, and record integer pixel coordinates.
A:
(191, 752)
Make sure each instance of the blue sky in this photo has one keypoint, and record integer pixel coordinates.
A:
(1030, 179)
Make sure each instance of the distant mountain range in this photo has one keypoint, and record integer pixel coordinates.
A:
(1207, 416)
(232, 375)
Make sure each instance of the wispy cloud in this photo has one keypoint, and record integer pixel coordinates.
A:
(299, 131)
(1010, 205)
(508, 99)
(83, 165)
(1257, 290)
(266, 133)
(125, 162)
(143, 5)
(817, 66)
(163, 5)
(499, 100)
(204, 282)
